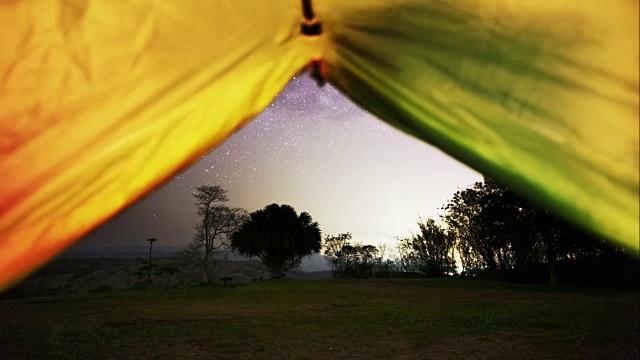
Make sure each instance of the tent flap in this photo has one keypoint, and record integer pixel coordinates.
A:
(102, 100)
(539, 95)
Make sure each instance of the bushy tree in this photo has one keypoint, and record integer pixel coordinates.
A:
(496, 230)
(463, 222)
(279, 237)
(352, 260)
(430, 252)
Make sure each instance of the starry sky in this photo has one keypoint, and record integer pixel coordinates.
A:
(317, 151)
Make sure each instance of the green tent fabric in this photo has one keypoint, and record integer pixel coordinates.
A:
(103, 100)
(540, 95)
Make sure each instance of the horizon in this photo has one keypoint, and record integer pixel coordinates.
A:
(312, 263)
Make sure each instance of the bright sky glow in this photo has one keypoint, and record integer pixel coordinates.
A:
(318, 152)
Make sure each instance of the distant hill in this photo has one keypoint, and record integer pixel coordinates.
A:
(314, 263)
(112, 252)
(79, 273)
(305, 275)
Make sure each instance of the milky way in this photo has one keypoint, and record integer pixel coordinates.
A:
(314, 149)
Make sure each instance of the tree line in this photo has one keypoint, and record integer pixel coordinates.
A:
(497, 231)
(484, 230)
(489, 231)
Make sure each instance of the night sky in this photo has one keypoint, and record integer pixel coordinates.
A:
(317, 151)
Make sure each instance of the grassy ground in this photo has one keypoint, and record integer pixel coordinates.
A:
(365, 319)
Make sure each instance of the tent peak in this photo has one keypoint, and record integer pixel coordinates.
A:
(310, 26)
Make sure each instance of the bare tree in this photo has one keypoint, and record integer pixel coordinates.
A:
(333, 252)
(217, 221)
(381, 266)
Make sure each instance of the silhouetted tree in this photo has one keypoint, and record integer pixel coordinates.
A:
(351, 260)
(350, 257)
(279, 237)
(430, 252)
(217, 221)
(151, 241)
(496, 230)
(381, 266)
(463, 222)
(367, 256)
(332, 252)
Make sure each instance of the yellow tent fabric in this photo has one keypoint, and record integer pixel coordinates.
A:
(103, 100)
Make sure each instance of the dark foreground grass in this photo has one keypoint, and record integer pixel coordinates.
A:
(365, 319)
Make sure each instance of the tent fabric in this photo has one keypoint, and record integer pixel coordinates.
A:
(103, 100)
(539, 95)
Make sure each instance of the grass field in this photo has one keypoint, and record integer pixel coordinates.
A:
(359, 319)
